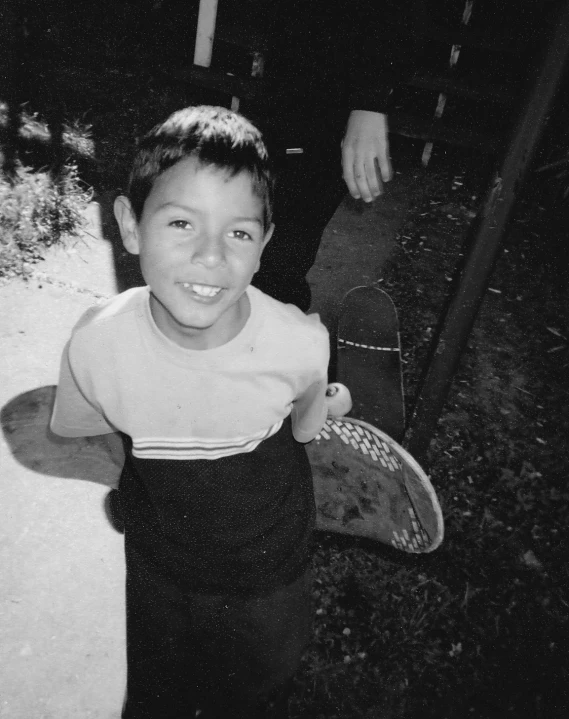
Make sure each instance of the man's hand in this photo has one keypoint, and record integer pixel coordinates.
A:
(365, 154)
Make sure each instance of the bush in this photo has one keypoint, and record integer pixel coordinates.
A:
(36, 210)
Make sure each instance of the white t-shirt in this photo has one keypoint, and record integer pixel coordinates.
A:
(119, 372)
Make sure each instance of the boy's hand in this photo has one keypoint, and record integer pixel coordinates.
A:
(365, 154)
(338, 400)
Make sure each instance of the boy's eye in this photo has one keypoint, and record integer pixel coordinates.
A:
(180, 224)
(241, 235)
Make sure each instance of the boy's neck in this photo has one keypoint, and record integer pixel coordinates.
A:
(209, 337)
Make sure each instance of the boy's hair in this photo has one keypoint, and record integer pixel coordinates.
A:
(213, 136)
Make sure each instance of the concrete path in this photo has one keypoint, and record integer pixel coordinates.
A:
(62, 644)
(62, 649)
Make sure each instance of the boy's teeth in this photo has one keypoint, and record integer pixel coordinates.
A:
(204, 290)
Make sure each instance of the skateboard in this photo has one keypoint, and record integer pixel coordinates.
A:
(367, 485)
(369, 359)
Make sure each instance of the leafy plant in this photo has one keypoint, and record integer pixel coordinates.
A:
(36, 210)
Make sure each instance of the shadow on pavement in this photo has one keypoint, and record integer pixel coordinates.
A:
(25, 425)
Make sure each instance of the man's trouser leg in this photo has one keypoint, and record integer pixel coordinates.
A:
(309, 189)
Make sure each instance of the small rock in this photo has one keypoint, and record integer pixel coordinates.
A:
(531, 561)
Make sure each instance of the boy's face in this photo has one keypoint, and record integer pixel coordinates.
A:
(200, 240)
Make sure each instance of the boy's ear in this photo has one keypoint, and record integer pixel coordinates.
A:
(128, 225)
(268, 234)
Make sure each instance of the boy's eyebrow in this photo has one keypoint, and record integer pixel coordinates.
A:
(257, 220)
(243, 218)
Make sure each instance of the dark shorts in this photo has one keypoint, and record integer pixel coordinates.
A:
(218, 590)
(226, 654)
(241, 523)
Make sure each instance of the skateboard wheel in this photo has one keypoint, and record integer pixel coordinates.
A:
(339, 399)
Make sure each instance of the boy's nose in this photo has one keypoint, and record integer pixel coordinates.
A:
(209, 250)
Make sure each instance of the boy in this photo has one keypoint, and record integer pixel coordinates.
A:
(214, 386)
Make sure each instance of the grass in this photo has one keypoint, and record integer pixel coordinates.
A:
(39, 204)
(479, 628)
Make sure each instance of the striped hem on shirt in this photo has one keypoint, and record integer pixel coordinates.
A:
(194, 448)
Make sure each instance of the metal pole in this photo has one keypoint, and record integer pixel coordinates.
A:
(484, 241)
(205, 35)
(207, 17)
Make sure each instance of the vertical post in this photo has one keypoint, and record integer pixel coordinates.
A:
(207, 17)
(205, 34)
(486, 233)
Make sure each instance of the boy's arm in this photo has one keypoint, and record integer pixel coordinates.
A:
(74, 415)
(307, 416)
(309, 412)
(310, 408)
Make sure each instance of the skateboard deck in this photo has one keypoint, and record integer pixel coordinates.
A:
(364, 483)
(369, 359)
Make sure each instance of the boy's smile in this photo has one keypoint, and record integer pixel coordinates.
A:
(200, 239)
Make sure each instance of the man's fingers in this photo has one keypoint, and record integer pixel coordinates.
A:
(348, 171)
(365, 170)
(363, 181)
(385, 167)
(365, 154)
(366, 178)
(359, 176)
(373, 176)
